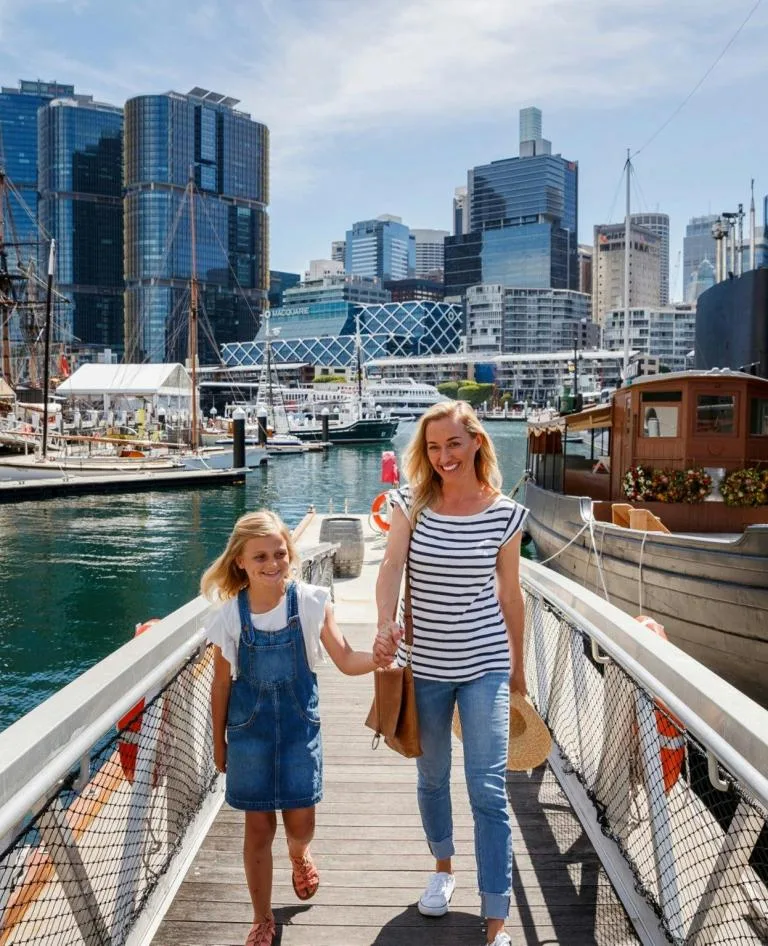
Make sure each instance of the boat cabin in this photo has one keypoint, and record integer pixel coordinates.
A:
(715, 421)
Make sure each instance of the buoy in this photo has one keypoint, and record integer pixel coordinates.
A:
(380, 512)
(129, 725)
(670, 728)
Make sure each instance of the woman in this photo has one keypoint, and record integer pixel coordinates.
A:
(461, 540)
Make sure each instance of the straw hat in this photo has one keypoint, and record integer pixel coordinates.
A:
(529, 738)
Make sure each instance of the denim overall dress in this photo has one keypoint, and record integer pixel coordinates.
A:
(274, 748)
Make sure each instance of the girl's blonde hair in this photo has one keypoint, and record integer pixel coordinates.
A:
(224, 578)
(423, 479)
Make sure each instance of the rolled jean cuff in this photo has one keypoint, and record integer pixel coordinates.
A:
(442, 849)
(494, 906)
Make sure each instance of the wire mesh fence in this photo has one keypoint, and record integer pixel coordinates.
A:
(693, 837)
(82, 867)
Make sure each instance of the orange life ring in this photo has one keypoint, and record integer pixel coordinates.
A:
(670, 728)
(129, 725)
(379, 511)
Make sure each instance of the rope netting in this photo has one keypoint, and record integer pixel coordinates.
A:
(693, 837)
(80, 870)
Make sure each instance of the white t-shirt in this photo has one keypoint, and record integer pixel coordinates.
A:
(223, 628)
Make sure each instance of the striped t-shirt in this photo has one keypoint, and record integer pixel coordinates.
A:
(458, 628)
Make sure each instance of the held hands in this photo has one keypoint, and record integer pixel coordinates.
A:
(385, 646)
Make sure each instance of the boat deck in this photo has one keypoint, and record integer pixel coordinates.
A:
(370, 850)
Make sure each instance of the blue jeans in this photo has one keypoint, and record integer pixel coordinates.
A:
(484, 714)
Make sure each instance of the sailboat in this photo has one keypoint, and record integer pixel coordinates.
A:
(361, 422)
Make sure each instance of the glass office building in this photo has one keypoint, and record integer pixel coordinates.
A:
(383, 248)
(81, 206)
(323, 333)
(19, 158)
(167, 137)
(523, 226)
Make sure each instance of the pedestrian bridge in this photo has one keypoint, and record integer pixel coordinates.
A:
(607, 851)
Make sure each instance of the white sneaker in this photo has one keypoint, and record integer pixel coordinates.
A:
(502, 939)
(436, 898)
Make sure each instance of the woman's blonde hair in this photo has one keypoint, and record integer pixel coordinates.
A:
(224, 578)
(423, 479)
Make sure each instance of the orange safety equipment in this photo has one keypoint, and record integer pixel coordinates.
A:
(670, 728)
(380, 512)
(129, 725)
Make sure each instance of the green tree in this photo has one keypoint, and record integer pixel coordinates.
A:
(330, 379)
(449, 389)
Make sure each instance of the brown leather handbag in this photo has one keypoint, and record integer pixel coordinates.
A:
(393, 713)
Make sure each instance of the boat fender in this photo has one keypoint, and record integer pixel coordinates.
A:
(380, 512)
(129, 725)
(670, 728)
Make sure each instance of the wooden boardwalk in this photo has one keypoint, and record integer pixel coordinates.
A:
(373, 859)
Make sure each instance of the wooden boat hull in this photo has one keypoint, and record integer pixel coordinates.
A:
(709, 591)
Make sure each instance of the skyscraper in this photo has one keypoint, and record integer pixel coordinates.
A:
(430, 252)
(81, 206)
(523, 221)
(608, 269)
(382, 248)
(460, 211)
(658, 224)
(167, 137)
(18, 155)
(698, 245)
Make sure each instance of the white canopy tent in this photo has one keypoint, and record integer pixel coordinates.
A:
(137, 381)
(131, 394)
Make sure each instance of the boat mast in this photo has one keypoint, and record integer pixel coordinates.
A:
(627, 251)
(359, 357)
(270, 395)
(47, 355)
(193, 289)
(6, 289)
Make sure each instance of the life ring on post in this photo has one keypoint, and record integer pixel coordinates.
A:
(129, 725)
(380, 512)
(670, 729)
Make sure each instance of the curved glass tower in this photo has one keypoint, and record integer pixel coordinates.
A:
(80, 178)
(167, 138)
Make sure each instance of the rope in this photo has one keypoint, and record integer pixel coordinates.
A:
(523, 479)
(581, 530)
(591, 525)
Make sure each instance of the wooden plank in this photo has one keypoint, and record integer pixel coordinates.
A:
(372, 856)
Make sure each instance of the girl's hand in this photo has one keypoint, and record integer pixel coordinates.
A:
(517, 682)
(385, 644)
(220, 756)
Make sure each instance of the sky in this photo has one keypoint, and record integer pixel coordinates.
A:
(381, 106)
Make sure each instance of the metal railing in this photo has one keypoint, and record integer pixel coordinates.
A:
(107, 788)
(664, 762)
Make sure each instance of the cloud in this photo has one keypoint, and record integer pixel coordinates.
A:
(317, 71)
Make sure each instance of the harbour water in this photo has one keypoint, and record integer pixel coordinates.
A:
(78, 574)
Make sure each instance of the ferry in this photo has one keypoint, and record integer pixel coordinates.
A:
(403, 398)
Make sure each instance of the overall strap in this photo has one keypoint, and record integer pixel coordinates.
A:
(244, 610)
(292, 604)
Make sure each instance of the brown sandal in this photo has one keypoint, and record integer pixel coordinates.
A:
(262, 933)
(306, 878)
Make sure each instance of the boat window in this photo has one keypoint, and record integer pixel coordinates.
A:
(758, 416)
(660, 420)
(715, 414)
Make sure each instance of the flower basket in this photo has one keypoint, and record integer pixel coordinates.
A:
(747, 487)
(637, 483)
(644, 484)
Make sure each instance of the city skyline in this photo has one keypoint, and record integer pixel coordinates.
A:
(382, 111)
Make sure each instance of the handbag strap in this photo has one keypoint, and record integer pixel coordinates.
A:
(408, 611)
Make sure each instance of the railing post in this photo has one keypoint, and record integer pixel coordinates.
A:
(62, 848)
(725, 877)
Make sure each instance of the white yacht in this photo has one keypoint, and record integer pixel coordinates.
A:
(403, 398)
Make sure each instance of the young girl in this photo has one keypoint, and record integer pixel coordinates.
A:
(264, 701)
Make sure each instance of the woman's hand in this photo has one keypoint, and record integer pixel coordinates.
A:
(517, 682)
(220, 756)
(385, 645)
